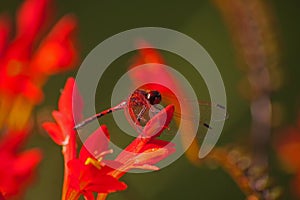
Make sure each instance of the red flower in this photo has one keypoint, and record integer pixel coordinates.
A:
(146, 140)
(63, 128)
(17, 168)
(161, 79)
(57, 52)
(23, 71)
(154, 73)
(146, 150)
(80, 178)
(87, 178)
(90, 172)
(62, 132)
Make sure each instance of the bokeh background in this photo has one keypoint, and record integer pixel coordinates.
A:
(203, 22)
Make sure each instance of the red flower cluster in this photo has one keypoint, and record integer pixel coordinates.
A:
(23, 69)
(90, 172)
(25, 66)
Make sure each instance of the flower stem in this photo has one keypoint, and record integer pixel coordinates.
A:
(69, 153)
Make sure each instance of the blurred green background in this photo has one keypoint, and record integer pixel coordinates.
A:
(99, 20)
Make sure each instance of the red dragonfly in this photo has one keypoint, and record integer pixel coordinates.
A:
(141, 102)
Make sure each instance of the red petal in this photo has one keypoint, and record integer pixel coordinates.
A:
(57, 52)
(159, 122)
(75, 167)
(27, 162)
(77, 104)
(95, 180)
(147, 55)
(87, 178)
(32, 92)
(95, 144)
(64, 29)
(54, 132)
(13, 140)
(88, 195)
(63, 117)
(106, 184)
(66, 125)
(153, 73)
(157, 145)
(152, 129)
(110, 165)
(65, 100)
(1, 196)
(30, 18)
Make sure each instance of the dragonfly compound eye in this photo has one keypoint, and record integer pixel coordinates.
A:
(154, 97)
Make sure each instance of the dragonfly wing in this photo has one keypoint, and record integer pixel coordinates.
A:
(206, 115)
(220, 112)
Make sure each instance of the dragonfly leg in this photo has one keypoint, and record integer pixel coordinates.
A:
(142, 112)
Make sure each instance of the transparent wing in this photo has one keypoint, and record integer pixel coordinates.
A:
(220, 113)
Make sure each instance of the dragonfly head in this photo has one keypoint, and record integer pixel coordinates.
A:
(154, 97)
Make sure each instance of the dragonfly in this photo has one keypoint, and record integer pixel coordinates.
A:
(142, 101)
